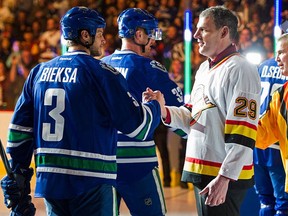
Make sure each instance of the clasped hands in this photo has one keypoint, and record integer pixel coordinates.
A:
(149, 95)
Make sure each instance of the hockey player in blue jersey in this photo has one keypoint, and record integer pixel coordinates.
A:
(68, 114)
(138, 181)
(268, 166)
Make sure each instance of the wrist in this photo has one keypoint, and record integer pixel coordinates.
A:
(225, 177)
(163, 112)
(167, 119)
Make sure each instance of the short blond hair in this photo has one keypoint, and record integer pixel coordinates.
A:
(283, 37)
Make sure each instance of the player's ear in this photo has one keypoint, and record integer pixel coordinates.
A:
(138, 34)
(224, 31)
(85, 35)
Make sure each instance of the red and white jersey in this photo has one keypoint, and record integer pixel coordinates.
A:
(221, 119)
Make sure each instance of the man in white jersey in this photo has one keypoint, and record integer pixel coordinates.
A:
(220, 119)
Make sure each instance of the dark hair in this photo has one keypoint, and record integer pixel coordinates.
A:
(222, 17)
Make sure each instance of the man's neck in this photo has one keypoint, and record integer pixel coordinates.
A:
(78, 48)
(129, 45)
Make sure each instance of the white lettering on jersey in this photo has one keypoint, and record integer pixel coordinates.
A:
(157, 65)
(56, 74)
(273, 72)
(108, 67)
(123, 71)
(116, 58)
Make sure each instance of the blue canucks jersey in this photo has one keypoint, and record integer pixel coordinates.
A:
(271, 79)
(134, 156)
(68, 114)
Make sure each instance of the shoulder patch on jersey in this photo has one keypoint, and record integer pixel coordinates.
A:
(109, 67)
(158, 65)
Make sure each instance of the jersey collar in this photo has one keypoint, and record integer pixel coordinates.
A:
(227, 52)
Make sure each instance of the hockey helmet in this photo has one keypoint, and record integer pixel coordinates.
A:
(81, 18)
(133, 18)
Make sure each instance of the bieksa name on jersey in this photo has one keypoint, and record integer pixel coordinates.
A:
(59, 74)
(273, 72)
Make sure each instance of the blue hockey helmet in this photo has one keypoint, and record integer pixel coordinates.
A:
(81, 18)
(133, 18)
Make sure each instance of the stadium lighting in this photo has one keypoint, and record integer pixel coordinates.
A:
(187, 44)
(254, 57)
(277, 21)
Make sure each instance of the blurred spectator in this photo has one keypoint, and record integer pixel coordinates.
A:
(40, 10)
(5, 49)
(173, 46)
(62, 6)
(173, 8)
(264, 8)
(176, 72)
(247, 46)
(232, 5)
(256, 32)
(153, 6)
(5, 15)
(268, 44)
(244, 11)
(7, 32)
(51, 10)
(21, 65)
(24, 5)
(15, 52)
(255, 19)
(284, 10)
(20, 25)
(212, 3)
(196, 58)
(111, 15)
(163, 15)
(36, 29)
(142, 4)
(18, 72)
(30, 43)
(111, 44)
(3, 73)
(267, 28)
(121, 5)
(51, 36)
(178, 22)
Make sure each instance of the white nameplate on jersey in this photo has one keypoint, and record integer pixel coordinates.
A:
(157, 65)
(109, 67)
(59, 74)
(273, 72)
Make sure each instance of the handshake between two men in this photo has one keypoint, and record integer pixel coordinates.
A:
(149, 95)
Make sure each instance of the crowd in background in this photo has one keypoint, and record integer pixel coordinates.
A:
(30, 33)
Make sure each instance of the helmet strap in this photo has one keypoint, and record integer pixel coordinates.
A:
(142, 45)
(86, 44)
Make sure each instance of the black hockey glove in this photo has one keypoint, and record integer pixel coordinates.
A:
(24, 208)
(16, 192)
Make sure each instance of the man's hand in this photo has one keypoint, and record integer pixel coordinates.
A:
(11, 191)
(216, 190)
(24, 208)
(149, 95)
(16, 191)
